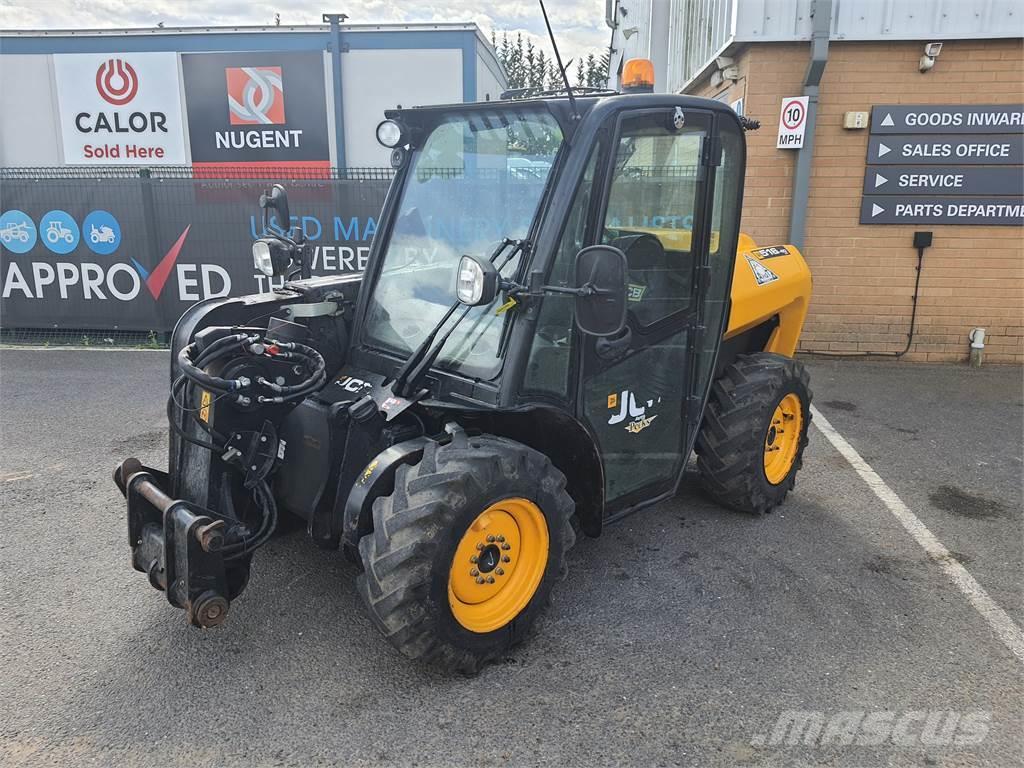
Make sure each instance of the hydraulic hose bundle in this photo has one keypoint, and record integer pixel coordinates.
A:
(243, 391)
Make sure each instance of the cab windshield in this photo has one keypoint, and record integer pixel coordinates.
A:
(476, 179)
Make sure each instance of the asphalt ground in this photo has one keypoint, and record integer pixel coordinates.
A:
(680, 637)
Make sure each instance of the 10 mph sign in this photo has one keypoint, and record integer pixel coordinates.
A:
(792, 122)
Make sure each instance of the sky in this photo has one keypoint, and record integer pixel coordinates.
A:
(578, 24)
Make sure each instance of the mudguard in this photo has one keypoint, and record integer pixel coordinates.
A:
(377, 479)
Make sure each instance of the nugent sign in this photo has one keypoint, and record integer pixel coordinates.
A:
(120, 109)
(260, 108)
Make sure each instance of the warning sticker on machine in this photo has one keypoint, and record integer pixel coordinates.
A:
(762, 274)
(770, 252)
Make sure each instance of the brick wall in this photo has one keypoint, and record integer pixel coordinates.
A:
(864, 274)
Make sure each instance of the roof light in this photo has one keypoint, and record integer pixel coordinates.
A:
(638, 75)
(390, 133)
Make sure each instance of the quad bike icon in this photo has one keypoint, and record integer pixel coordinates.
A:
(55, 231)
(103, 234)
(12, 232)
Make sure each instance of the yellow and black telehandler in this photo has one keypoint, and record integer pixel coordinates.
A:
(557, 312)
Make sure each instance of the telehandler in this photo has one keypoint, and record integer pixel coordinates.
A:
(557, 311)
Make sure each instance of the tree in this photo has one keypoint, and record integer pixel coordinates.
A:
(528, 65)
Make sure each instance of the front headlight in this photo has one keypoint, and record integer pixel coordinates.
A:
(261, 258)
(470, 286)
(476, 281)
(271, 256)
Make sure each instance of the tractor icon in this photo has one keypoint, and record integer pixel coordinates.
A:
(15, 231)
(103, 234)
(56, 231)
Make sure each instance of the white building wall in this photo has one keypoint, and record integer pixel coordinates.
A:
(489, 85)
(376, 80)
(28, 117)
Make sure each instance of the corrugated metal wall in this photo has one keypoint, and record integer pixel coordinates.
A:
(698, 29)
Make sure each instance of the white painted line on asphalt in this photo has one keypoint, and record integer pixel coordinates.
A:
(998, 619)
(10, 478)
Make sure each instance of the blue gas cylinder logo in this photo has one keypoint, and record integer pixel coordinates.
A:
(17, 231)
(59, 231)
(101, 232)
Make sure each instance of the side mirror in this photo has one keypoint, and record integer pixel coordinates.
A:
(278, 201)
(601, 272)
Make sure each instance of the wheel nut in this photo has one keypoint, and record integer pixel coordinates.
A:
(500, 571)
(506, 546)
(474, 572)
(506, 559)
(500, 538)
(479, 546)
(474, 559)
(490, 579)
(480, 580)
(490, 539)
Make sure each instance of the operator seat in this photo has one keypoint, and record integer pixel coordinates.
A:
(652, 293)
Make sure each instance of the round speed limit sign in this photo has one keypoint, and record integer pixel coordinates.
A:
(792, 122)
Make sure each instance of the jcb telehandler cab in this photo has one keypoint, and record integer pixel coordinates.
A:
(558, 309)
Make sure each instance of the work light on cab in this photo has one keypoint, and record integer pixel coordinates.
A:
(477, 281)
(638, 76)
(390, 134)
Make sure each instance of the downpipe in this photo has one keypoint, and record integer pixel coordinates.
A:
(977, 339)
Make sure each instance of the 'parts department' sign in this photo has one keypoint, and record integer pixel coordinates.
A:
(120, 109)
(256, 108)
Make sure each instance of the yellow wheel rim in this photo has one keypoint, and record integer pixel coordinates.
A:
(782, 442)
(498, 565)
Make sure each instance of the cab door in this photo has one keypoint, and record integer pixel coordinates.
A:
(637, 391)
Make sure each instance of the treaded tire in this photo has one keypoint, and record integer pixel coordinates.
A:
(408, 556)
(731, 442)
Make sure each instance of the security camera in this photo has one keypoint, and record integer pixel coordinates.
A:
(722, 62)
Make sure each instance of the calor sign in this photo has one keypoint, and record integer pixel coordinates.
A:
(120, 109)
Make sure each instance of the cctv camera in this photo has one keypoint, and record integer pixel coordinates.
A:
(723, 61)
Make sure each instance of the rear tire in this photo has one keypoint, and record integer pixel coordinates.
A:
(747, 459)
(422, 533)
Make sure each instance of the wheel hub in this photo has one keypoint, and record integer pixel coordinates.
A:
(489, 558)
(498, 565)
(782, 440)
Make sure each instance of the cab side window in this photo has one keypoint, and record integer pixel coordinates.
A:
(650, 214)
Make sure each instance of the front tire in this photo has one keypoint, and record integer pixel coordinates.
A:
(465, 551)
(752, 440)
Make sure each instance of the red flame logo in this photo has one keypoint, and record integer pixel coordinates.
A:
(117, 82)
